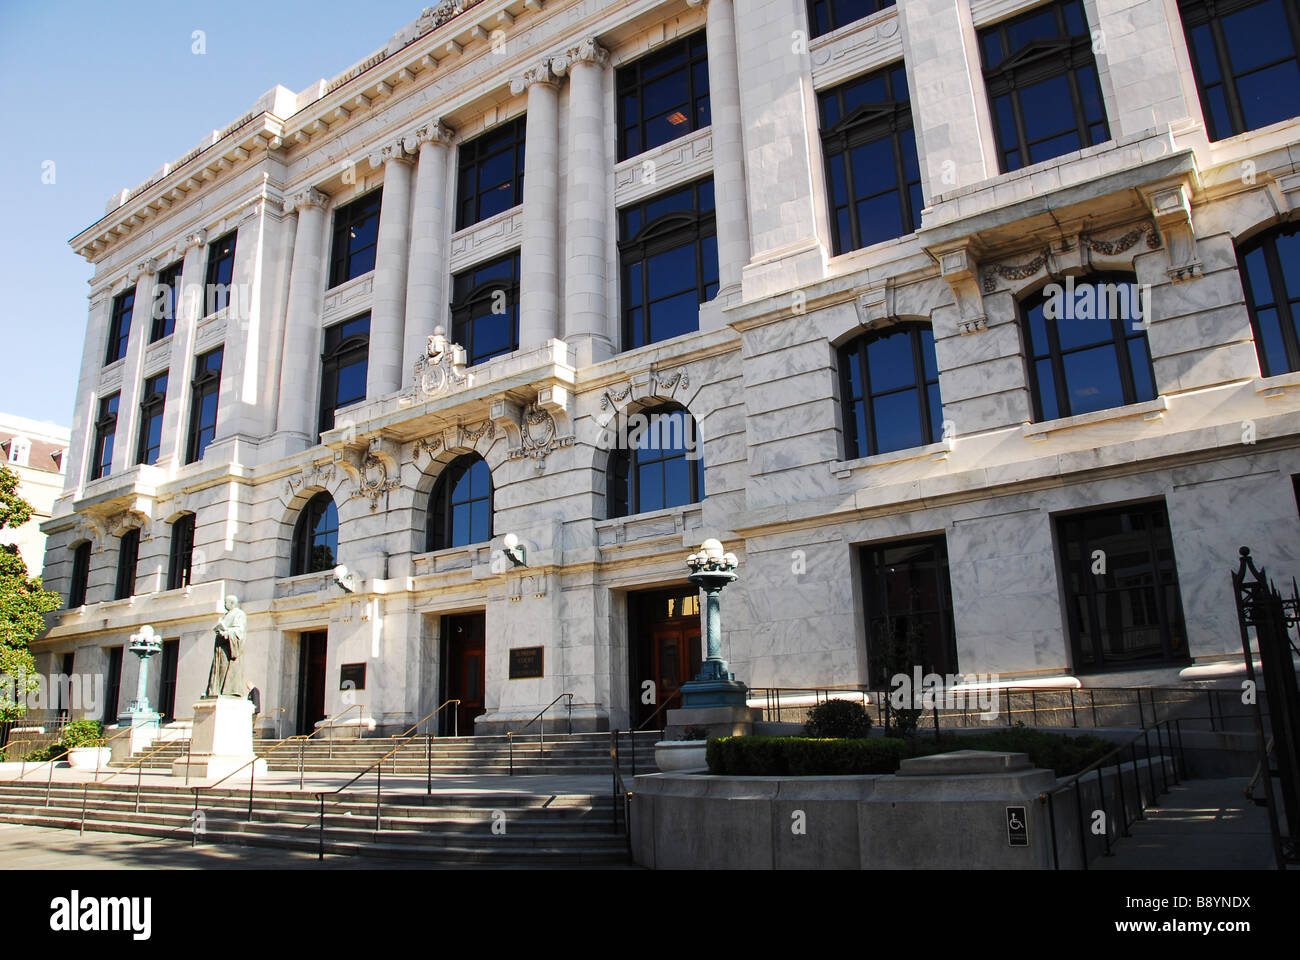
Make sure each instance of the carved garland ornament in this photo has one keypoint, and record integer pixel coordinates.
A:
(661, 383)
(318, 476)
(1110, 248)
(537, 437)
(375, 481)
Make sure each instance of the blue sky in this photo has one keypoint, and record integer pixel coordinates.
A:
(110, 91)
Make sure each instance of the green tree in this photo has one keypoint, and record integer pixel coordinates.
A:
(23, 601)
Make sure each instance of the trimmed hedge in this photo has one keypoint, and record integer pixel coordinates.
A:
(838, 718)
(806, 757)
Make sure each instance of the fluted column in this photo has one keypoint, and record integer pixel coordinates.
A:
(388, 308)
(128, 406)
(728, 148)
(539, 277)
(296, 412)
(189, 308)
(426, 281)
(587, 324)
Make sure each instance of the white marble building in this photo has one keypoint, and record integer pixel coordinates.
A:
(953, 500)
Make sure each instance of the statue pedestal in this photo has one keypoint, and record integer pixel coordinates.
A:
(221, 740)
(145, 729)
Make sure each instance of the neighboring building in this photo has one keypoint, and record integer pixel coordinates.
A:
(818, 237)
(37, 452)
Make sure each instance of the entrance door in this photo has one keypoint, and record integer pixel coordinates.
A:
(464, 676)
(311, 680)
(664, 629)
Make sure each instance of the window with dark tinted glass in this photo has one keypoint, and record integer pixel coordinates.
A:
(119, 326)
(343, 368)
(460, 507)
(1086, 346)
(1246, 57)
(827, 15)
(491, 174)
(356, 233)
(889, 389)
(80, 575)
(485, 308)
(871, 167)
(128, 556)
(1042, 84)
(668, 248)
(658, 462)
(113, 684)
(151, 419)
(166, 298)
(220, 274)
(1270, 272)
(908, 600)
(1121, 586)
(316, 537)
(663, 96)
(205, 391)
(105, 434)
(180, 558)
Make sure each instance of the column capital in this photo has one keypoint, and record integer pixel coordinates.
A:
(146, 266)
(435, 131)
(587, 50)
(541, 73)
(395, 149)
(196, 239)
(310, 197)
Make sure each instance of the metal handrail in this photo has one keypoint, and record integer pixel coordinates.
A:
(676, 693)
(510, 734)
(378, 767)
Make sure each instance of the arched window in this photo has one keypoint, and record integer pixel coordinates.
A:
(460, 507)
(657, 462)
(1270, 271)
(889, 388)
(316, 537)
(1086, 346)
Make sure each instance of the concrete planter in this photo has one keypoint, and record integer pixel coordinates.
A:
(673, 756)
(88, 758)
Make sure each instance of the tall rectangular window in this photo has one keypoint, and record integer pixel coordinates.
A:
(491, 175)
(668, 248)
(1246, 58)
(119, 326)
(128, 556)
(871, 166)
(343, 367)
(166, 297)
(1042, 84)
(105, 433)
(663, 96)
(205, 390)
(180, 561)
(909, 609)
(171, 650)
(113, 684)
(356, 234)
(485, 308)
(220, 274)
(827, 15)
(151, 419)
(1127, 608)
(80, 576)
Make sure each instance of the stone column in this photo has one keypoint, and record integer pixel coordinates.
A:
(539, 256)
(426, 281)
(128, 406)
(388, 308)
(83, 417)
(295, 415)
(728, 148)
(189, 308)
(587, 324)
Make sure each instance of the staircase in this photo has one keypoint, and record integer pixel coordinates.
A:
(512, 830)
(575, 753)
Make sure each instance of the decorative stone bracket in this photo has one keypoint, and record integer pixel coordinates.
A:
(876, 305)
(374, 467)
(1171, 206)
(538, 429)
(958, 267)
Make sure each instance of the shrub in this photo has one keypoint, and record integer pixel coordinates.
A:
(81, 733)
(838, 719)
(1054, 751)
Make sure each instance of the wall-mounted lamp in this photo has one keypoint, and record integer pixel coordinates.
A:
(515, 551)
(345, 578)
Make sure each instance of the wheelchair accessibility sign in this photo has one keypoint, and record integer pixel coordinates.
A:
(1017, 827)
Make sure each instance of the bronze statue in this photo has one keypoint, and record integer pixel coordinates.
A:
(226, 678)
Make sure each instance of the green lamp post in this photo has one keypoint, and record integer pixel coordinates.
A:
(715, 686)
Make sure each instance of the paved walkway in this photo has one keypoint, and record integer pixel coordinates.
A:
(1199, 824)
(572, 784)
